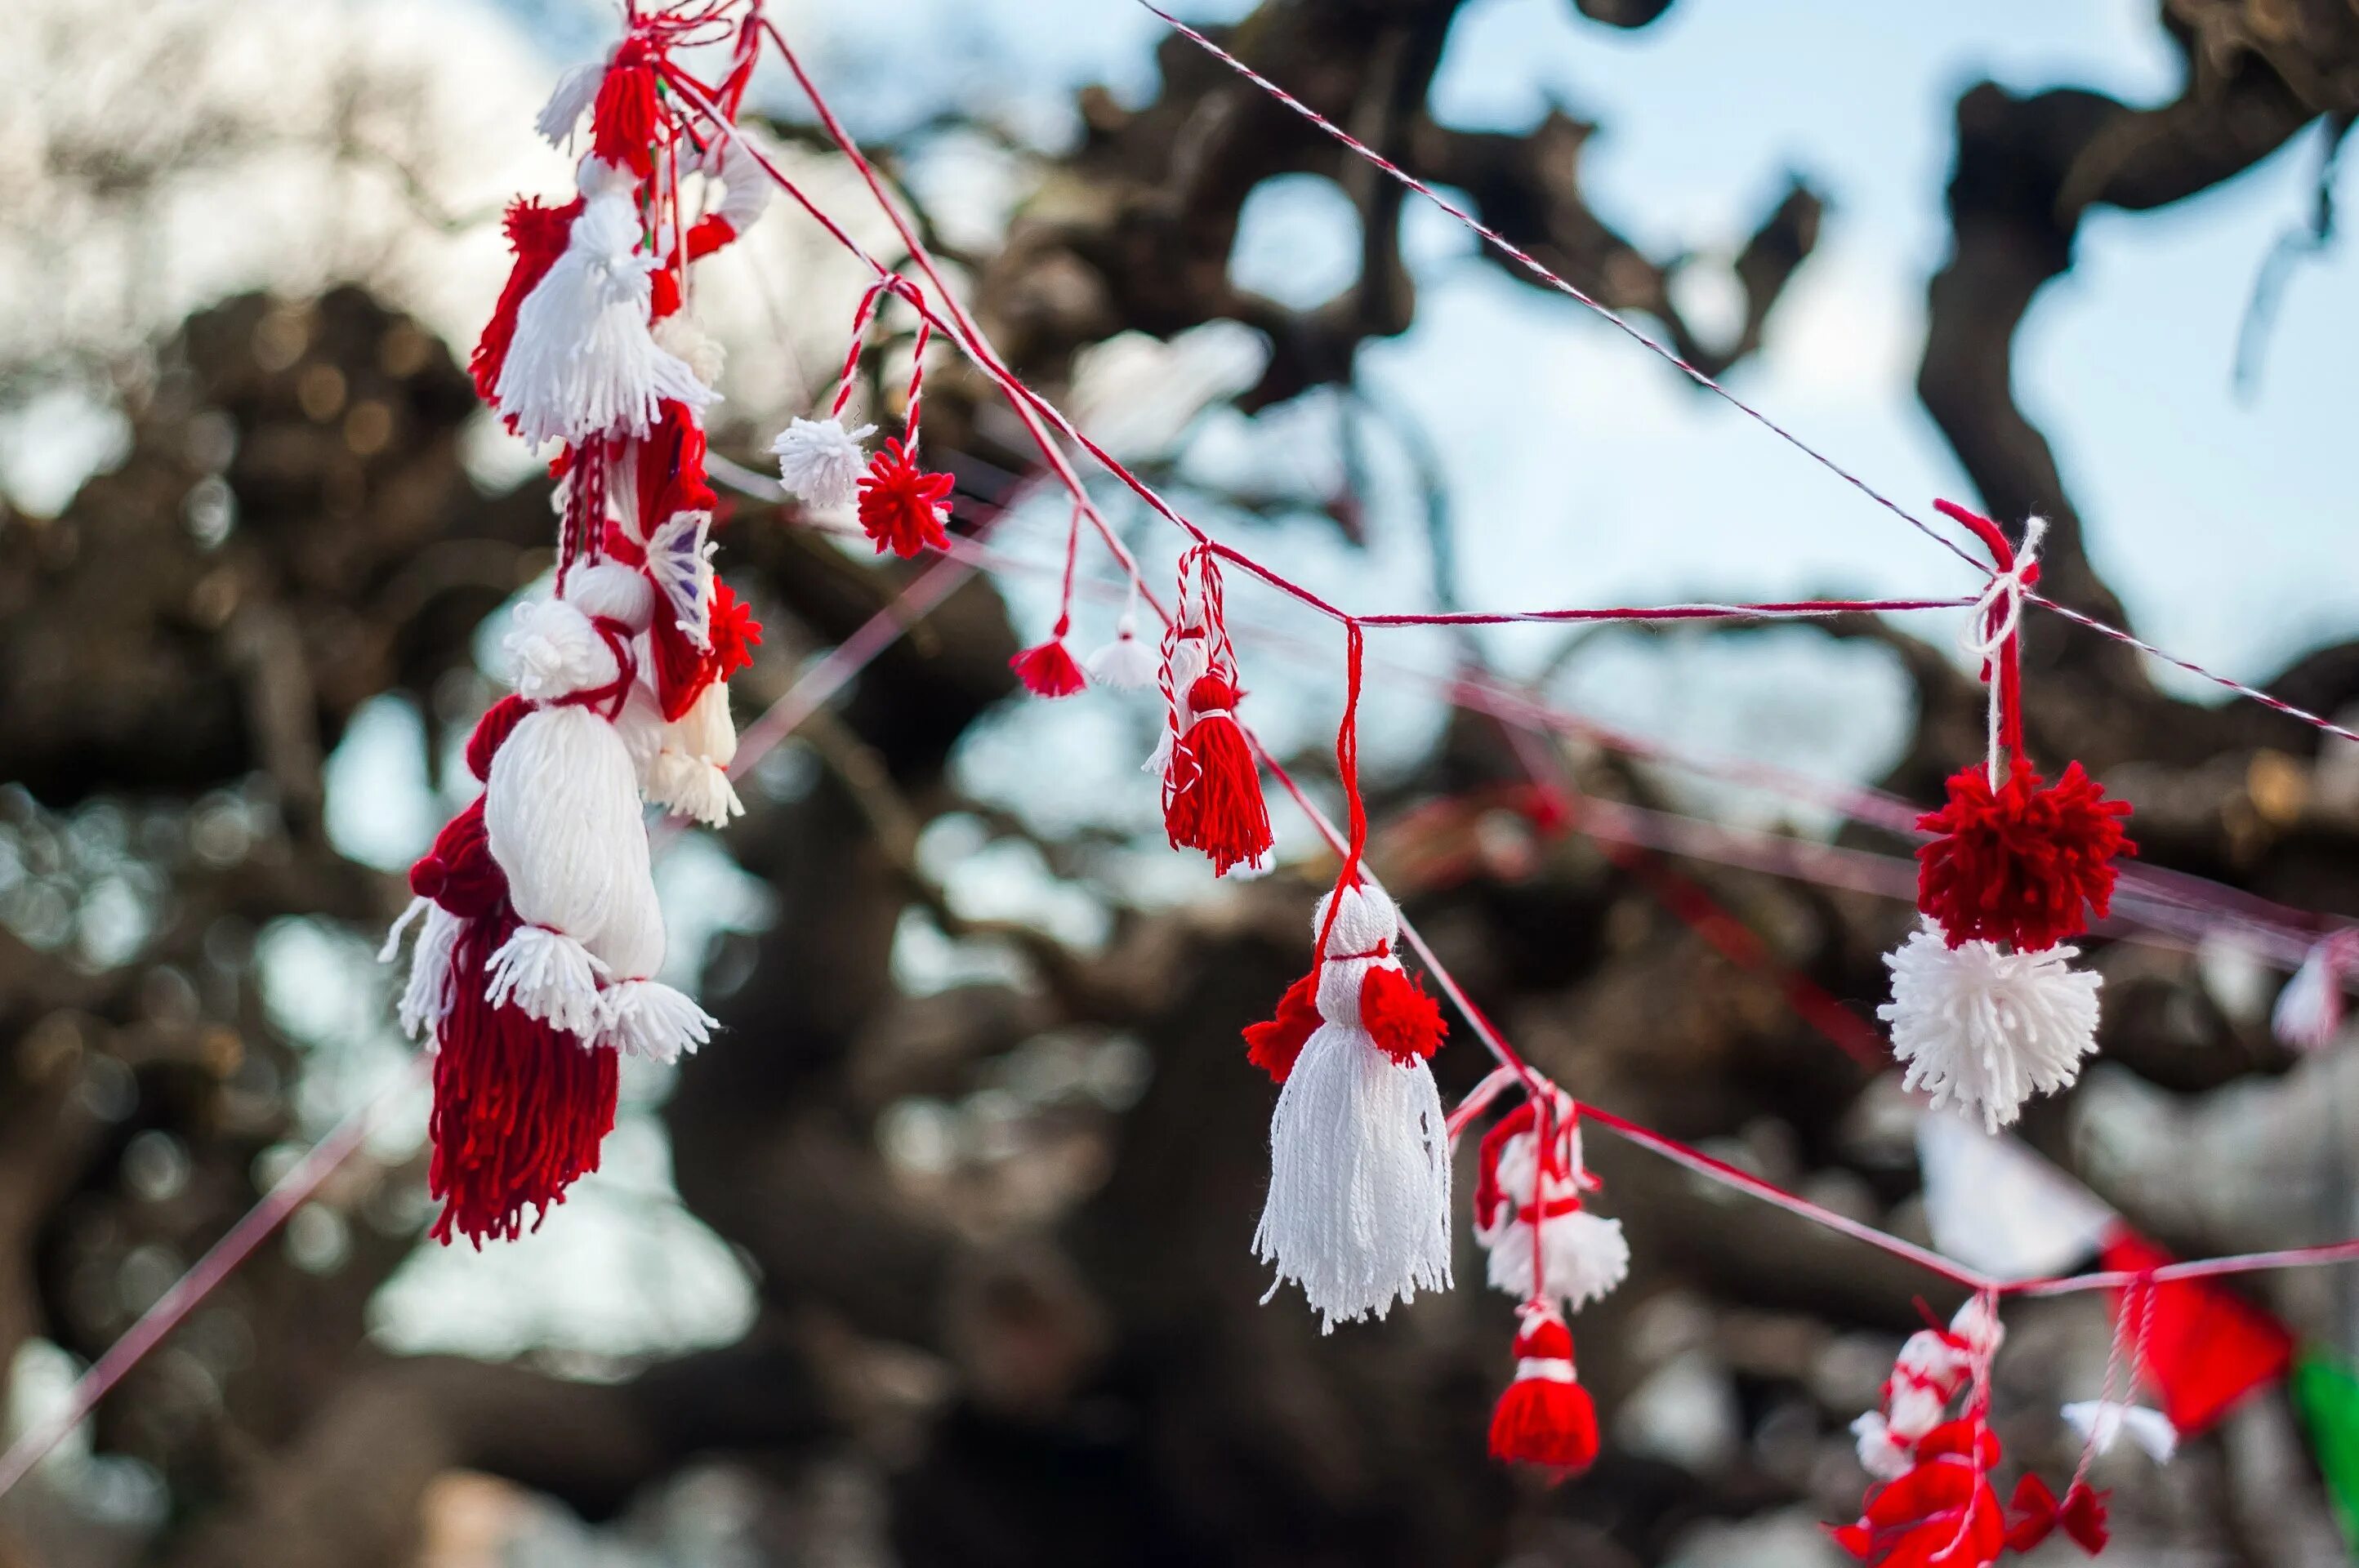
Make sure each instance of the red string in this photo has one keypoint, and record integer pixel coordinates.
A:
(1347, 772)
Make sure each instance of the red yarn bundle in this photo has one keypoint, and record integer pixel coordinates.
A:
(1212, 790)
(1404, 1020)
(1544, 1417)
(901, 505)
(1048, 670)
(1943, 1514)
(624, 121)
(2019, 864)
(1274, 1045)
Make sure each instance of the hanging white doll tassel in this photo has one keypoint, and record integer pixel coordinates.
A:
(1359, 1189)
(561, 812)
(584, 360)
(1582, 1255)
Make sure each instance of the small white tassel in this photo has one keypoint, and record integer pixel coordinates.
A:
(1585, 1256)
(2101, 1423)
(584, 362)
(1984, 1030)
(1359, 1190)
(1126, 663)
(548, 975)
(1882, 1454)
(650, 1019)
(689, 776)
(2309, 1010)
(821, 462)
(427, 999)
(575, 91)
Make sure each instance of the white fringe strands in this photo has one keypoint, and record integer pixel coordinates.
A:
(1982, 1029)
(561, 812)
(689, 776)
(431, 989)
(584, 362)
(1359, 1189)
(575, 91)
(821, 462)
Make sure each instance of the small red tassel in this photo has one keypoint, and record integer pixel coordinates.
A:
(1274, 1045)
(519, 1108)
(901, 505)
(1545, 1418)
(622, 123)
(1048, 670)
(1211, 793)
(2016, 864)
(1404, 1022)
(537, 236)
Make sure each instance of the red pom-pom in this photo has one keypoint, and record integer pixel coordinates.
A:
(2017, 864)
(735, 632)
(1048, 670)
(536, 235)
(682, 670)
(1404, 1022)
(902, 507)
(1274, 1045)
(459, 872)
(1544, 1417)
(492, 732)
(622, 121)
(1212, 791)
(519, 1108)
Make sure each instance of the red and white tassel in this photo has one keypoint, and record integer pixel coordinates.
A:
(1987, 1011)
(583, 361)
(1544, 1417)
(1582, 1255)
(1358, 1213)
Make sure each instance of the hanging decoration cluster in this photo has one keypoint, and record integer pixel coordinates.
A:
(1986, 1009)
(539, 936)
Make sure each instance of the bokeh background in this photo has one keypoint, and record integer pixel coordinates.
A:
(939, 1255)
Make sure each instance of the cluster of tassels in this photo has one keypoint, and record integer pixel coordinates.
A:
(1986, 1009)
(1936, 1504)
(540, 937)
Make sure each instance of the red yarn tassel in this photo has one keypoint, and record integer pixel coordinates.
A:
(1274, 1045)
(1545, 1418)
(1048, 670)
(1211, 793)
(2018, 863)
(519, 1108)
(622, 123)
(1405, 1021)
(901, 505)
(538, 236)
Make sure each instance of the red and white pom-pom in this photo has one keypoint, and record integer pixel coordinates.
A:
(821, 462)
(1126, 663)
(2024, 863)
(1984, 1030)
(1544, 1417)
(2308, 1013)
(1582, 1255)
(1359, 1188)
(561, 809)
(583, 360)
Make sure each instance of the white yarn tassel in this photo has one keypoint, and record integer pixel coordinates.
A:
(584, 362)
(2103, 1422)
(1882, 1454)
(647, 1018)
(689, 776)
(1126, 663)
(2308, 1013)
(1359, 1191)
(575, 91)
(427, 998)
(1584, 1256)
(1984, 1030)
(821, 462)
(550, 976)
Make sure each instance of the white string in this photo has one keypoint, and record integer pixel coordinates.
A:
(1997, 616)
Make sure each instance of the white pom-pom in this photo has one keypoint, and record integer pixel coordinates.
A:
(547, 974)
(821, 462)
(583, 361)
(428, 996)
(647, 1018)
(1984, 1030)
(1359, 1187)
(556, 651)
(1126, 663)
(1584, 1255)
(2101, 1423)
(2309, 1010)
(575, 91)
(1882, 1454)
(680, 333)
(614, 591)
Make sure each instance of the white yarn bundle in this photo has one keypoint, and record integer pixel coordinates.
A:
(427, 999)
(1359, 1190)
(821, 462)
(1984, 1029)
(561, 812)
(1584, 1256)
(584, 362)
(1126, 663)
